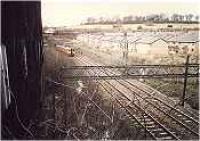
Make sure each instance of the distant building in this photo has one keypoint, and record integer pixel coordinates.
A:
(146, 43)
(152, 46)
(185, 43)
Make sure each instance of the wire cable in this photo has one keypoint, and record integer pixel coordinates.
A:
(18, 118)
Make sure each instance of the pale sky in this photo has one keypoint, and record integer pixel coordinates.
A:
(73, 12)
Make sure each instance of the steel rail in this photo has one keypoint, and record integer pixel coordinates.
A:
(185, 126)
(152, 91)
(180, 112)
(138, 107)
(128, 111)
(139, 88)
(148, 93)
(170, 133)
(179, 122)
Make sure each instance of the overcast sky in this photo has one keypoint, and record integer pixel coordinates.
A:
(72, 12)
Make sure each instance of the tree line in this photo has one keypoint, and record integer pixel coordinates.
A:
(152, 18)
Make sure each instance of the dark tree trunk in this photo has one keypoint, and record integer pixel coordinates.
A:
(22, 35)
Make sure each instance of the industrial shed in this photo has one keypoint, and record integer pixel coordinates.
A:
(152, 46)
(151, 43)
(185, 43)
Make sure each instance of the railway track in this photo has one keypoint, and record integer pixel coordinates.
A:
(174, 108)
(144, 99)
(178, 117)
(177, 112)
(152, 127)
(138, 115)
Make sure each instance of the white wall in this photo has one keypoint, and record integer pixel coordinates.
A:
(159, 47)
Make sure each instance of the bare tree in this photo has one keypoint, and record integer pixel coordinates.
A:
(189, 17)
(174, 18)
(91, 20)
(197, 18)
(128, 19)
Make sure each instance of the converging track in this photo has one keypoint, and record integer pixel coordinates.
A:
(159, 119)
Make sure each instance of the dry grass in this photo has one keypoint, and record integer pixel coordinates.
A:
(171, 88)
(69, 114)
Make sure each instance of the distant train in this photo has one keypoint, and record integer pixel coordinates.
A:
(67, 50)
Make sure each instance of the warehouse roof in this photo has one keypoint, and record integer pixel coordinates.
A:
(186, 38)
(149, 40)
(147, 37)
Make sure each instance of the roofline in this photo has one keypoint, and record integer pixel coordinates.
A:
(153, 41)
(184, 41)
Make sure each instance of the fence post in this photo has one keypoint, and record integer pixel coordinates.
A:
(185, 80)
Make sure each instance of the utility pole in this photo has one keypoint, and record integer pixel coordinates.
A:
(88, 40)
(185, 79)
(125, 50)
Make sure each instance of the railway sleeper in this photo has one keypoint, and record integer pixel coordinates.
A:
(156, 129)
(149, 123)
(177, 113)
(188, 121)
(165, 138)
(144, 119)
(158, 132)
(149, 127)
(161, 134)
